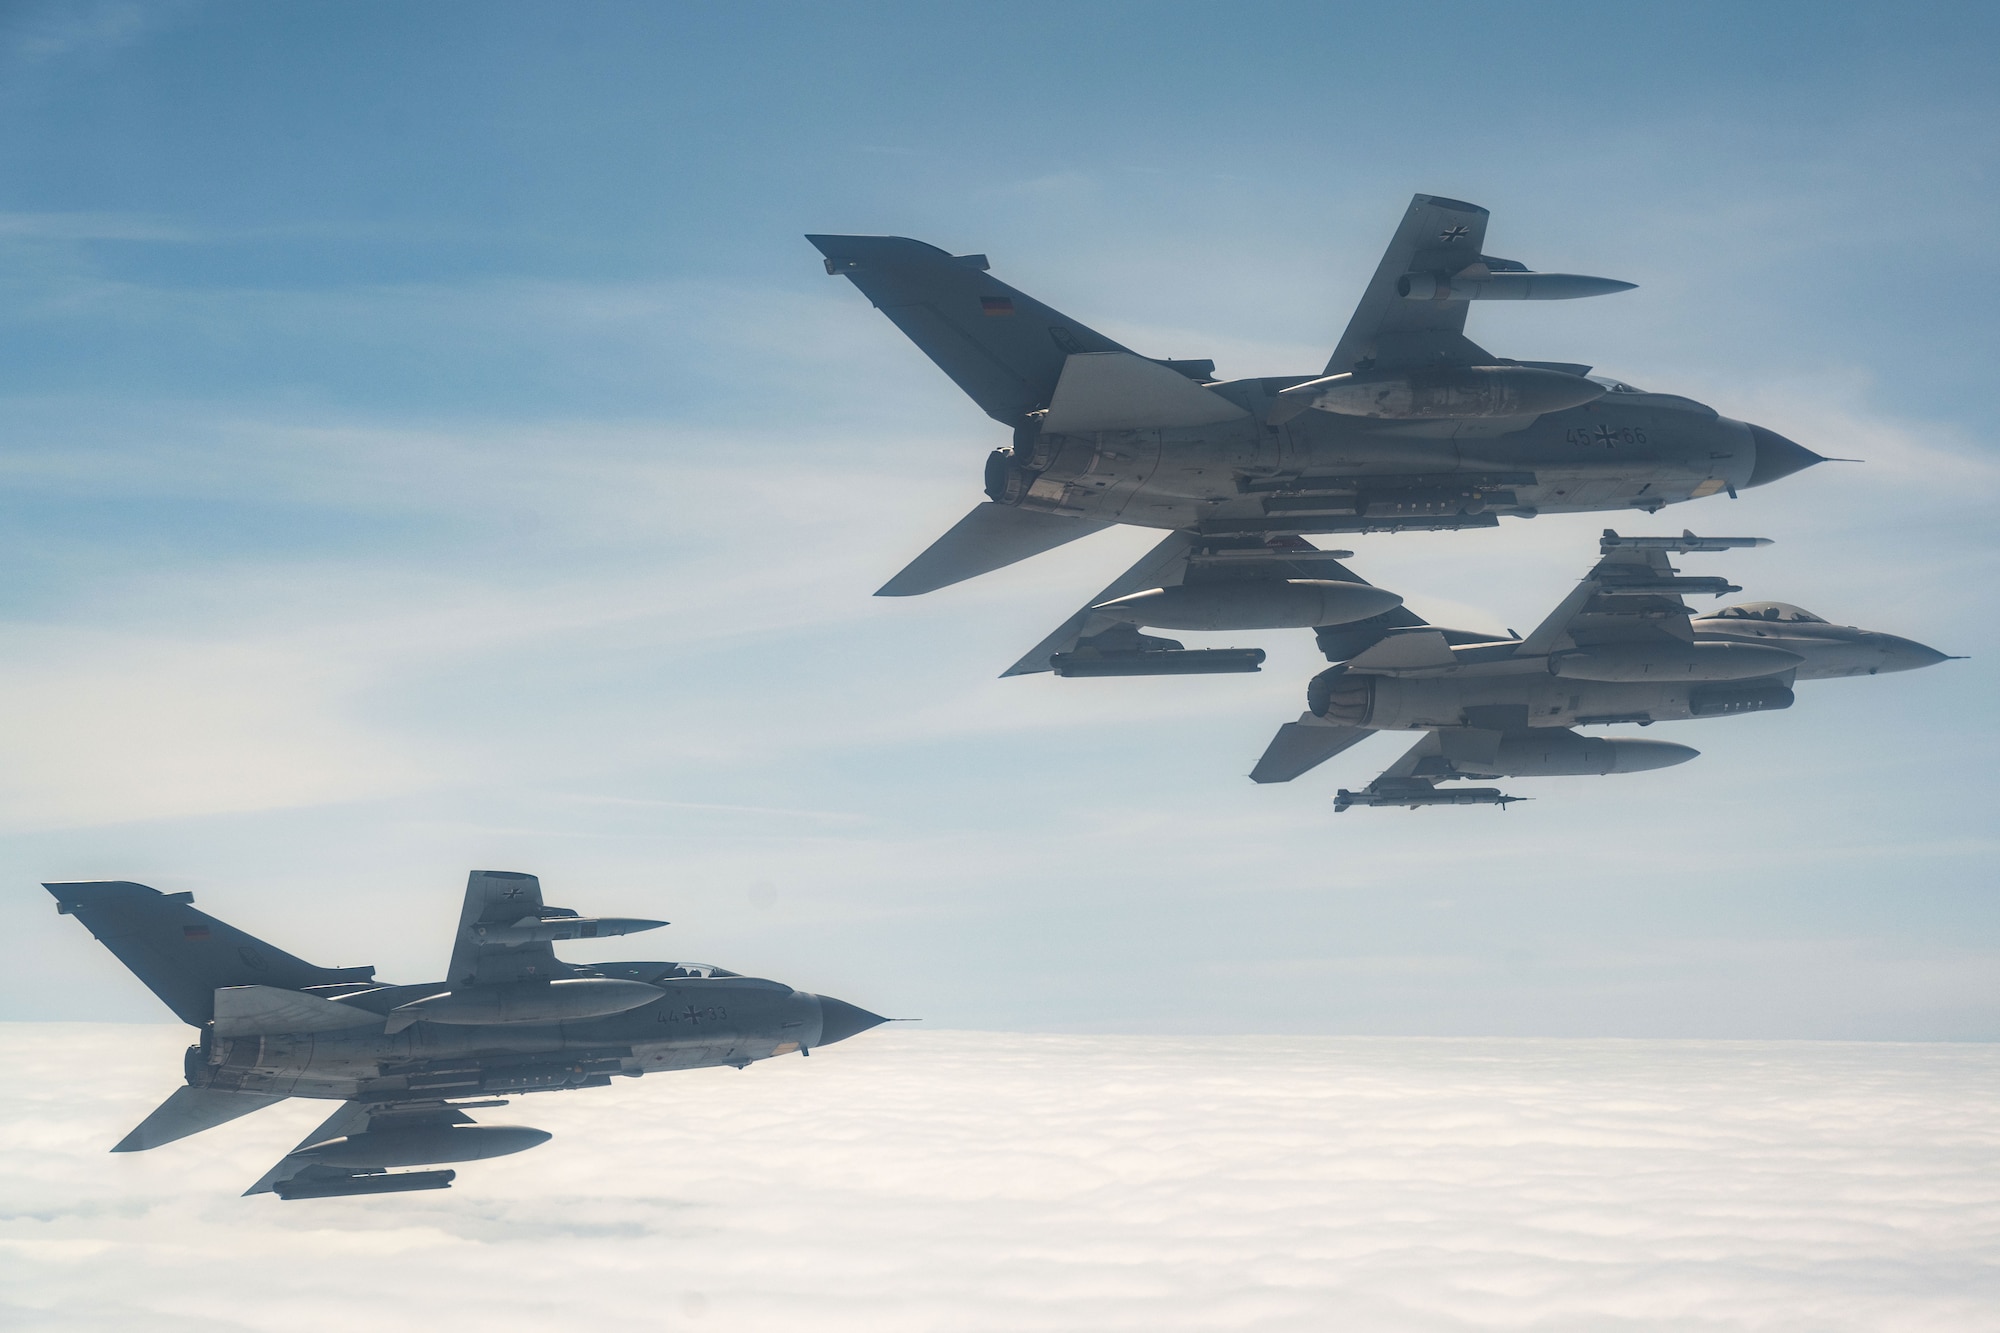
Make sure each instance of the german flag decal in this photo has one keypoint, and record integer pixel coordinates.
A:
(194, 932)
(996, 305)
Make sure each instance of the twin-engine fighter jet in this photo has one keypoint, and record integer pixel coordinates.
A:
(1409, 426)
(403, 1061)
(1622, 647)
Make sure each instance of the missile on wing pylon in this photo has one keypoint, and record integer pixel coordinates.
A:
(1422, 794)
(1686, 543)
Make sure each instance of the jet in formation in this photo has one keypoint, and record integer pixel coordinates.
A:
(1623, 647)
(1410, 425)
(406, 1063)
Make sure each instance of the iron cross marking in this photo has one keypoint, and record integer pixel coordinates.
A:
(512, 894)
(1450, 234)
(1606, 436)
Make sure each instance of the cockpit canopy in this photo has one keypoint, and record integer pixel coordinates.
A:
(1613, 386)
(1782, 612)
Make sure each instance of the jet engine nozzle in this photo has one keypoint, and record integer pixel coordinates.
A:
(1252, 604)
(1459, 391)
(1505, 286)
(1673, 662)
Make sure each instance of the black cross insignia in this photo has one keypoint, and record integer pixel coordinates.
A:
(1606, 436)
(1454, 232)
(512, 894)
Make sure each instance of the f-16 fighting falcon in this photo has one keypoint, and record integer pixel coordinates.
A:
(1410, 425)
(407, 1063)
(1622, 647)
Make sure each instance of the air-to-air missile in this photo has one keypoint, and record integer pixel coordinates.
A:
(1621, 648)
(408, 1062)
(1409, 426)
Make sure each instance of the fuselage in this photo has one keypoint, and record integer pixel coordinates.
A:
(1323, 472)
(697, 1021)
(1490, 686)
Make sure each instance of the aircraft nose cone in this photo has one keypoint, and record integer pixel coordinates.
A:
(1908, 654)
(1777, 457)
(839, 1020)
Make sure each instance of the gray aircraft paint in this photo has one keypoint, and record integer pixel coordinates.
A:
(1623, 647)
(402, 1059)
(1410, 426)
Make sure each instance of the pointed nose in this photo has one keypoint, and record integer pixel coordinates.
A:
(1777, 457)
(839, 1020)
(1908, 654)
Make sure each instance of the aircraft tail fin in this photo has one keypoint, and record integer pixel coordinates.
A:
(185, 956)
(190, 1111)
(991, 537)
(1000, 345)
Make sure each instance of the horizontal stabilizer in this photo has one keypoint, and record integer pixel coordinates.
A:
(1120, 391)
(991, 537)
(1302, 746)
(190, 1111)
(1411, 650)
(249, 1011)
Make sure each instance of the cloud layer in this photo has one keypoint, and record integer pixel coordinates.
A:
(913, 1180)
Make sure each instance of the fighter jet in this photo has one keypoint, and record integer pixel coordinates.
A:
(1622, 647)
(406, 1063)
(1409, 425)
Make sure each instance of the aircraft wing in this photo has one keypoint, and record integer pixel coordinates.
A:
(1163, 566)
(1631, 594)
(1182, 557)
(502, 898)
(352, 1150)
(1391, 332)
(1412, 781)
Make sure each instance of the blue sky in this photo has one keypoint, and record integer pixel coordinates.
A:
(426, 442)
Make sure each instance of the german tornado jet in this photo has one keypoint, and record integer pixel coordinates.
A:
(1409, 426)
(407, 1063)
(1622, 647)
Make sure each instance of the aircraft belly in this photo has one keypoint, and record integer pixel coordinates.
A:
(710, 1052)
(1538, 700)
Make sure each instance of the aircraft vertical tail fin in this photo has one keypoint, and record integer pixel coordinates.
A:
(1000, 345)
(185, 956)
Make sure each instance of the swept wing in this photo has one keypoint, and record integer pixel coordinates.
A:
(1389, 332)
